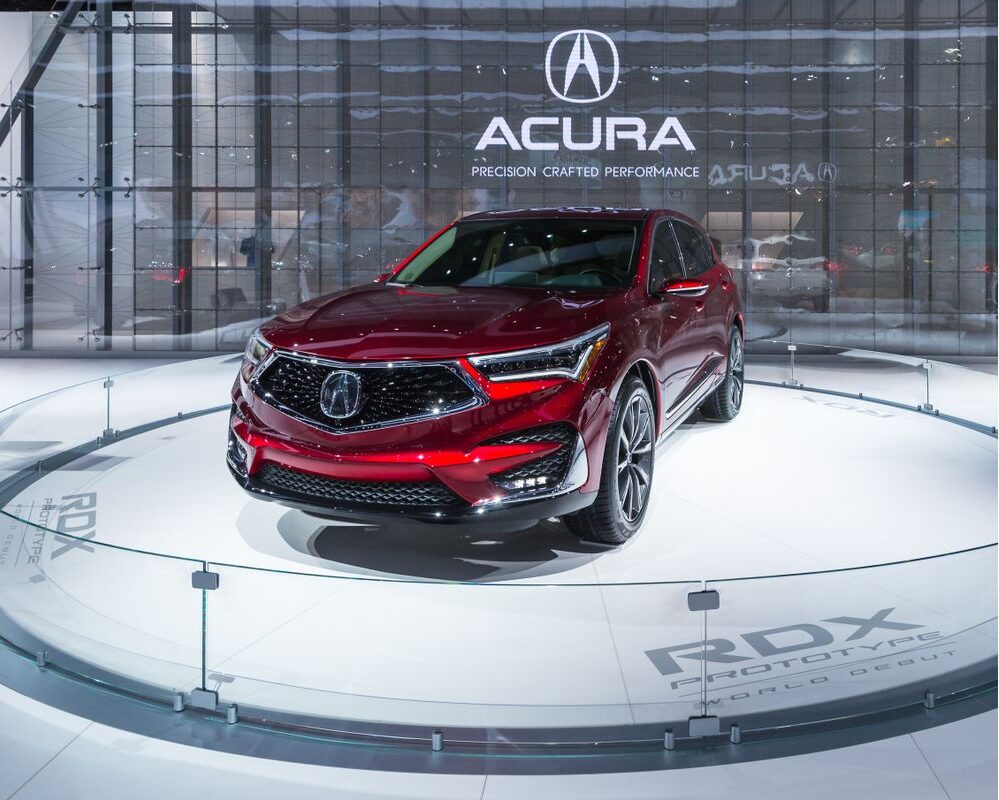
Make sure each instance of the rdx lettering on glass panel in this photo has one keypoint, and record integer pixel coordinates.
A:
(776, 641)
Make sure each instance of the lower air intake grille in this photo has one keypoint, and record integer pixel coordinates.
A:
(337, 491)
(547, 472)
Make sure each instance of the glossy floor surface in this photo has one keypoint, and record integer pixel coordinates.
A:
(799, 481)
(821, 483)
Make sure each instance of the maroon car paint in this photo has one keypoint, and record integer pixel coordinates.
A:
(678, 340)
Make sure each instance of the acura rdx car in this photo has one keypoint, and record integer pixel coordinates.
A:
(518, 366)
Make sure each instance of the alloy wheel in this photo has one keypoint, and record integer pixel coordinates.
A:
(737, 368)
(634, 458)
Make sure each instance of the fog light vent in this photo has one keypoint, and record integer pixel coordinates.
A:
(547, 472)
(236, 455)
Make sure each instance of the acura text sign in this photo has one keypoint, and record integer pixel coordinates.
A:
(583, 67)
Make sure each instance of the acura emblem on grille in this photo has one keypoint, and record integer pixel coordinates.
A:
(340, 396)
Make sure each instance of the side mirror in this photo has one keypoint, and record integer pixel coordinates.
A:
(681, 287)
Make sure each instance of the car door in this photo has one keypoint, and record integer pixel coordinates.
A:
(677, 351)
(709, 323)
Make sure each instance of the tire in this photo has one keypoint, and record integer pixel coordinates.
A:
(724, 402)
(631, 442)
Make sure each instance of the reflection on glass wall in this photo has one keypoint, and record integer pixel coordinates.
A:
(177, 172)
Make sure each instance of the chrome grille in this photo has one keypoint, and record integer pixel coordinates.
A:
(391, 393)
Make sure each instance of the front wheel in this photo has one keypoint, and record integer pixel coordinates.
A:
(626, 476)
(724, 402)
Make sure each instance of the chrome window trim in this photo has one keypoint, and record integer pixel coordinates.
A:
(479, 398)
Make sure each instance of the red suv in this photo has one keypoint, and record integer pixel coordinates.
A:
(519, 365)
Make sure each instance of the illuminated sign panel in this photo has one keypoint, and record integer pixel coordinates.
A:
(583, 67)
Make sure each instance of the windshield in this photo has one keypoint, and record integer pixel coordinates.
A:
(546, 253)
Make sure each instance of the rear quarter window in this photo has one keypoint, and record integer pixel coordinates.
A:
(696, 251)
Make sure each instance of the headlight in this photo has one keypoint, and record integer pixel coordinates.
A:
(256, 348)
(571, 359)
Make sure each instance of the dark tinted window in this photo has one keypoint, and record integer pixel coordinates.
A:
(665, 261)
(696, 256)
(547, 253)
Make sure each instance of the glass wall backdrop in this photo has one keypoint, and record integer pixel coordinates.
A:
(173, 172)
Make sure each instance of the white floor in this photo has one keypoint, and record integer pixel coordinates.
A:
(823, 464)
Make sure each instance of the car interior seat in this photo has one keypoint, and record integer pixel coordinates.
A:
(523, 268)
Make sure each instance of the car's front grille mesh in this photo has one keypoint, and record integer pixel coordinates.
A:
(389, 394)
(559, 432)
(546, 472)
(389, 495)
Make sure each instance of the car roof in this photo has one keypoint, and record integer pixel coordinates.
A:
(569, 212)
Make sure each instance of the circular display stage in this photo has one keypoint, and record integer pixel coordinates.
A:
(798, 482)
(786, 574)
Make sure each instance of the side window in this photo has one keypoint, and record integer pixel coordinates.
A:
(696, 256)
(665, 259)
(709, 255)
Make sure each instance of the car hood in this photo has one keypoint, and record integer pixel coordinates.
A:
(397, 322)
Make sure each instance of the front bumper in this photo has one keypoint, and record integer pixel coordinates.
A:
(500, 515)
(495, 463)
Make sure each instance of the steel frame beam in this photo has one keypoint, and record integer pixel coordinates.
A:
(105, 168)
(22, 107)
(37, 68)
(183, 195)
(262, 249)
(910, 194)
(28, 218)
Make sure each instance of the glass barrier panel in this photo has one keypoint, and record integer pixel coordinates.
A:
(532, 656)
(968, 391)
(125, 618)
(885, 376)
(53, 423)
(162, 393)
(824, 645)
(768, 361)
(648, 622)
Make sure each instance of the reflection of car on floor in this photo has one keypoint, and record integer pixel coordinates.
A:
(518, 366)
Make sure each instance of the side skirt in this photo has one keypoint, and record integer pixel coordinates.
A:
(687, 406)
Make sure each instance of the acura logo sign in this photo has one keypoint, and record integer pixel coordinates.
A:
(340, 395)
(575, 52)
(582, 66)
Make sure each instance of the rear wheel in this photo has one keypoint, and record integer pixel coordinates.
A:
(626, 476)
(725, 401)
